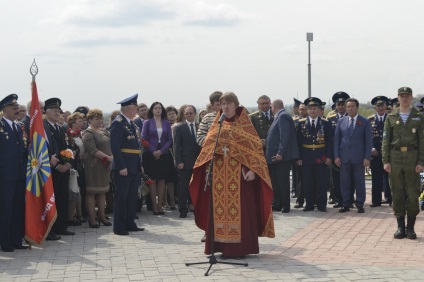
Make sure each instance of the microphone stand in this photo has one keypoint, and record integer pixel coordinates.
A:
(212, 258)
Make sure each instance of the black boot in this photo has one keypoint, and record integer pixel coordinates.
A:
(400, 233)
(410, 228)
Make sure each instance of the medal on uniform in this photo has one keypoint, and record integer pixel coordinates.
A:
(414, 130)
(397, 122)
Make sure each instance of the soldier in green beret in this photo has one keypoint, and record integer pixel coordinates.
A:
(403, 158)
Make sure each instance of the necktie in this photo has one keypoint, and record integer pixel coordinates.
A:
(192, 131)
(266, 116)
(381, 120)
(351, 126)
(313, 126)
(15, 130)
(56, 128)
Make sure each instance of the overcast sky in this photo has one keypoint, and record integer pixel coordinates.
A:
(98, 52)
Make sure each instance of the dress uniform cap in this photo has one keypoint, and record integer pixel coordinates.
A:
(395, 101)
(129, 101)
(82, 110)
(52, 103)
(313, 101)
(340, 97)
(405, 90)
(8, 101)
(333, 106)
(379, 100)
(297, 102)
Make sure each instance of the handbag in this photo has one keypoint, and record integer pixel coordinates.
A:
(73, 181)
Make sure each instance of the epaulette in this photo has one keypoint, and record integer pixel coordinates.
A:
(296, 117)
(302, 119)
(119, 118)
(330, 115)
(371, 117)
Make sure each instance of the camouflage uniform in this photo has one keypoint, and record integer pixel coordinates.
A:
(403, 148)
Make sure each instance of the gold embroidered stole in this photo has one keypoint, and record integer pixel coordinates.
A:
(226, 199)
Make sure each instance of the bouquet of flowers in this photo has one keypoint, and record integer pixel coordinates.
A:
(143, 189)
(321, 160)
(67, 155)
(146, 179)
(145, 143)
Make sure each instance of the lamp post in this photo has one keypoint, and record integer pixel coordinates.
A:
(309, 38)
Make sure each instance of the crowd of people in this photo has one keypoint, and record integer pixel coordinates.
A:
(229, 167)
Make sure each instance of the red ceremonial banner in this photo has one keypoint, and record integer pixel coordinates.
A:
(40, 206)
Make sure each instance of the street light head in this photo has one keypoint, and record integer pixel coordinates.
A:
(309, 36)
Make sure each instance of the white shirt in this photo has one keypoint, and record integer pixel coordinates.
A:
(11, 123)
(315, 119)
(354, 120)
(194, 126)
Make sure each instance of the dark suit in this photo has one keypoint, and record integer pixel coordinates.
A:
(186, 151)
(352, 151)
(379, 175)
(315, 146)
(26, 121)
(281, 140)
(139, 122)
(13, 163)
(57, 142)
(126, 151)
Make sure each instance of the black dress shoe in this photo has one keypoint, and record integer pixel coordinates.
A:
(7, 249)
(344, 209)
(322, 209)
(66, 233)
(361, 210)
(285, 211)
(96, 225)
(183, 214)
(74, 222)
(336, 206)
(135, 229)
(172, 208)
(298, 206)
(331, 202)
(52, 237)
(374, 205)
(276, 209)
(121, 233)
(308, 209)
(385, 202)
(203, 239)
(105, 223)
(20, 247)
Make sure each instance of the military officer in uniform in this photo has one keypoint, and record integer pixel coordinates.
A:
(58, 141)
(395, 103)
(403, 158)
(339, 99)
(294, 167)
(377, 125)
(315, 142)
(126, 151)
(299, 191)
(13, 162)
(262, 118)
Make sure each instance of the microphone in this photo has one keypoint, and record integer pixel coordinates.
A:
(221, 119)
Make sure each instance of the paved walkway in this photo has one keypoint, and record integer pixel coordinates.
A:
(309, 246)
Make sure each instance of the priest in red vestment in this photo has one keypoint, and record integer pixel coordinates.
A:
(241, 186)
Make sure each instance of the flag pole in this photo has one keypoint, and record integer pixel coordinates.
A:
(33, 70)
